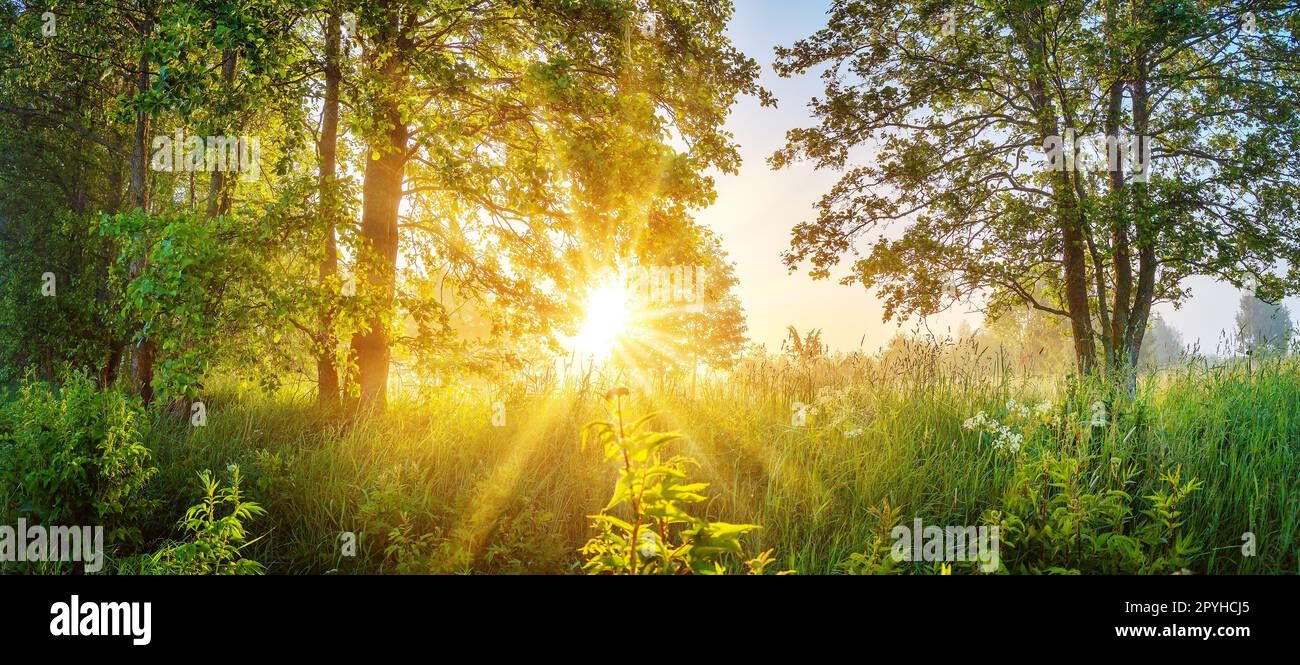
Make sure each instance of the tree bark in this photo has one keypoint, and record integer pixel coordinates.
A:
(1146, 239)
(327, 376)
(381, 195)
(1069, 215)
(218, 197)
(142, 359)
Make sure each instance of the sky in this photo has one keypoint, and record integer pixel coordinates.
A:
(757, 208)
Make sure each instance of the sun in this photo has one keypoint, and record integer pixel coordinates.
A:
(606, 317)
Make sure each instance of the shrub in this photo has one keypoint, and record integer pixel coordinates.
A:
(657, 535)
(214, 541)
(1062, 517)
(75, 456)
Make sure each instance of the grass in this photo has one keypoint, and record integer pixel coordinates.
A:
(433, 486)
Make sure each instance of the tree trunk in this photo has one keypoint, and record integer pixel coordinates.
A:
(1069, 215)
(381, 195)
(327, 376)
(143, 357)
(1074, 263)
(1146, 240)
(218, 197)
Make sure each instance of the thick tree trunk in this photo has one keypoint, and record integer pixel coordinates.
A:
(1074, 263)
(381, 195)
(1069, 214)
(327, 376)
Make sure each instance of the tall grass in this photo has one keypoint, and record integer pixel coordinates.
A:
(433, 486)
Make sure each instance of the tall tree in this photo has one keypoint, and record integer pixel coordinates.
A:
(506, 123)
(327, 376)
(1263, 328)
(971, 111)
(1164, 345)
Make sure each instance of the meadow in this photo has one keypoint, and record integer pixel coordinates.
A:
(1079, 477)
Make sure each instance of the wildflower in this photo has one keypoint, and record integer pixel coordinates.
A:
(853, 433)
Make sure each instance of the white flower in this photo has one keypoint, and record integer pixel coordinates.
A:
(975, 422)
(853, 433)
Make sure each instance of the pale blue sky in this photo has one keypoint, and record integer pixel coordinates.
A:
(757, 208)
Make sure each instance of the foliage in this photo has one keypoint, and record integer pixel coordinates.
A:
(656, 535)
(492, 501)
(1263, 328)
(973, 193)
(215, 534)
(876, 558)
(1065, 514)
(75, 455)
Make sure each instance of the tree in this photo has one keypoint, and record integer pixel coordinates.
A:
(684, 306)
(1263, 328)
(173, 272)
(1035, 342)
(327, 376)
(977, 179)
(515, 127)
(1163, 346)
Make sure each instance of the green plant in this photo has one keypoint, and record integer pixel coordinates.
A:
(875, 558)
(75, 455)
(413, 554)
(1062, 517)
(216, 534)
(657, 534)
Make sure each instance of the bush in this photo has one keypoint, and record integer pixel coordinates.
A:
(214, 541)
(658, 535)
(1070, 515)
(75, 456)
